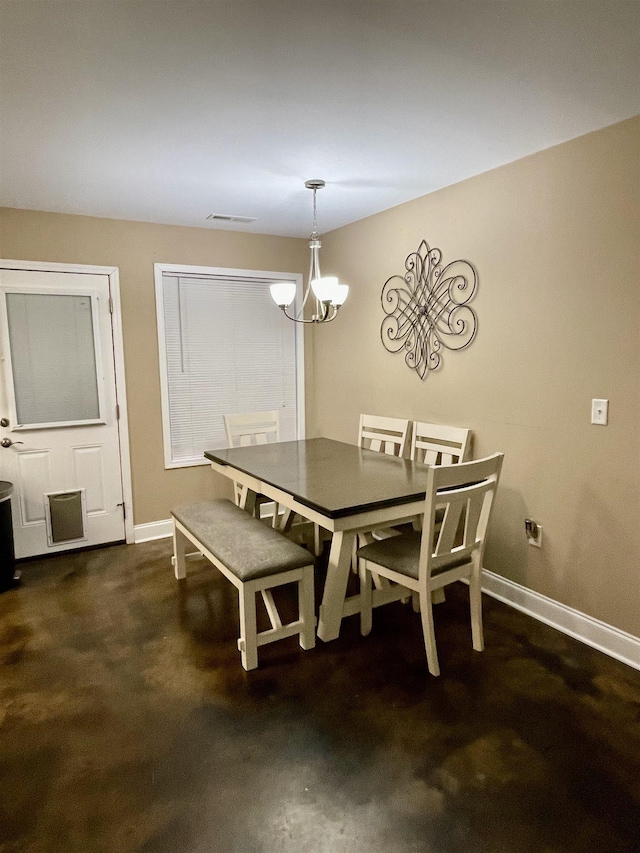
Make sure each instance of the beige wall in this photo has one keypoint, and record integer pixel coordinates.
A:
(134, 247)
(556, 241)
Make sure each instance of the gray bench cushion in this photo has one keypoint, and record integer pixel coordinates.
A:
(244, 544)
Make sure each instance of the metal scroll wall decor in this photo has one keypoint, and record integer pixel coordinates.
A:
(427, 309)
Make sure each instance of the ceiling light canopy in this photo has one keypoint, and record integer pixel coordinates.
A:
(328, 293)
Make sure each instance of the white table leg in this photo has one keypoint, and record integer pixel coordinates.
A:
(335, 587)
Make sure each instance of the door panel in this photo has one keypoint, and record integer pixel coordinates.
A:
(34, 480)
(88, 468)
(58, 393)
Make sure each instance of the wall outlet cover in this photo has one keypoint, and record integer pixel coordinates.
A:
(533, 531)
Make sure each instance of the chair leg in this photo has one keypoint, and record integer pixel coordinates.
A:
(179, 562)
(287, 521)
(366, 604)
(248, 643)
(317, 540)
(306, 606)
(360, 541)
(475, 604)
(426, 612)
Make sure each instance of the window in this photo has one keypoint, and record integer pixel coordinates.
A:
(224, 348)
(54, 360)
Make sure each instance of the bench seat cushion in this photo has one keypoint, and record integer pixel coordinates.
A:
(244, 544)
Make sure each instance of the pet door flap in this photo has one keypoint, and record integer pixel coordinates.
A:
(66, 516)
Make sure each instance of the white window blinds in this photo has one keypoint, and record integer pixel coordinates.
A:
(227, 350)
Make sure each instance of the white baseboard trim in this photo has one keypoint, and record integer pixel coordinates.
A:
(152, 530)
(613, 642)
(605, 638)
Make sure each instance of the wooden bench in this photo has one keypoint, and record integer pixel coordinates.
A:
(255, 558)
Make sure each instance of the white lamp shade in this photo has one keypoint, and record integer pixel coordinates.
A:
(340, 297)
(283, 293)
(325, 288)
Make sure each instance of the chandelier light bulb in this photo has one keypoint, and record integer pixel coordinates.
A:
(325, 288)
(283, 293)
(340, 296)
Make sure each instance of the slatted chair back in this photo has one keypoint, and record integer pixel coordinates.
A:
(435, 444)
(464, 491)
(248, 428)
(386, 435)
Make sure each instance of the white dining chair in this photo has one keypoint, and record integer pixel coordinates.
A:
(437, 444)
(386, 435)
(249, 428)
(244, 429)
(433, 444)
(420, 562)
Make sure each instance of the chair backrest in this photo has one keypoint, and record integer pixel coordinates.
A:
(466, 492)
(387, 435)
(252, 428)
(436, 444)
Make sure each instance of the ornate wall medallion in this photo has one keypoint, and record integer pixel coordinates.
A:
(427, 309)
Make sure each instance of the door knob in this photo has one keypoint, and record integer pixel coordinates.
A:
(7, 442)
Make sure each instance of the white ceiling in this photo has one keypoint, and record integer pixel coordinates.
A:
(170, 111)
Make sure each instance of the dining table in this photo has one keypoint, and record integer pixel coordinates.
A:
(345, 489)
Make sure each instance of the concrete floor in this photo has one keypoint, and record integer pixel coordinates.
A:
(128, 724)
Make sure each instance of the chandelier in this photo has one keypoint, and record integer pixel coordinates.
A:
(328, 293)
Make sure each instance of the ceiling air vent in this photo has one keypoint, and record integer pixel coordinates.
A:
(227, 217)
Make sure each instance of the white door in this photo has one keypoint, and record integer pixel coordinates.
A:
(58, 417)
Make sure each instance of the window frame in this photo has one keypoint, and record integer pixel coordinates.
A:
(222, 273)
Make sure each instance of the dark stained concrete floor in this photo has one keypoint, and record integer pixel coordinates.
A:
(127, 724)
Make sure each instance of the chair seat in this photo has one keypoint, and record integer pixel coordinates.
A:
(245, 545)
(401, 554)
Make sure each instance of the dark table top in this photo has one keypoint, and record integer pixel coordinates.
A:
(329, 476)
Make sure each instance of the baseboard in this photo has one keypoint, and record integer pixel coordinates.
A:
(605, 638)
(152, 530)
(613, 642)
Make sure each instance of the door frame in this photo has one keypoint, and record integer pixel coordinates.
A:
(118, 354)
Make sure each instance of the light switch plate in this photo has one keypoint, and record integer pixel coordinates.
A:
(599, 412)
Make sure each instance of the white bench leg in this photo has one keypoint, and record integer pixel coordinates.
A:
(248, 627)
(179, 562)
(306, 608)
